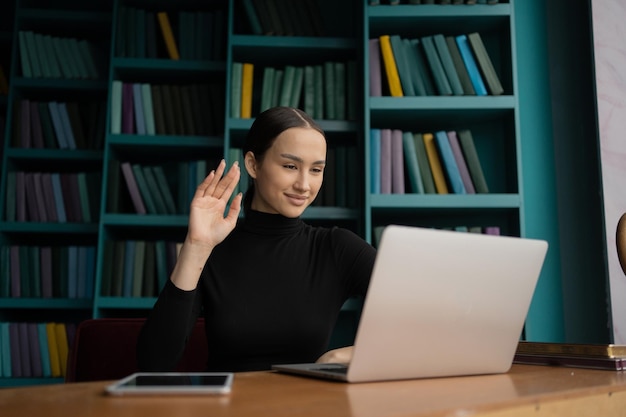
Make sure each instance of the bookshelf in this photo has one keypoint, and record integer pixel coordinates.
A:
(39, 86)
(508, 130)
(492, 120)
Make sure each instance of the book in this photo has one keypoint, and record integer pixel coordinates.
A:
(435, 163)
(473, 162)
(116, 107)
(448, 64)
(76, 124)
(612, 364)
(471, 65)
(404, 71)
(148, 110)
(62, 345)
(423, 164)
(253, 18)
(421, 67)
(128, 109)
(386, 182)
(436, 67)
(375, 148)
(390, 66)
(168, 35)
(44, 355)
(117, 276)
(5, 350)
(129, 266)
(154, 189)
(330, 112)
(16, 351)
(485, 64)
(53, 350)
(133, 188)
(415, 70)
(267, 89)
(460, 162)
(459, 66)
(339, 78)
(144, 190)
(598, 350)
(287, 85)
(138, 268)
(375, 81)
(140, 123)
(397, 162)
(247, 78)
(67, 126)
(161, 179)
(34, 350)
(236, 76)
(308, 90)
(57, 123)
(412, 163)
(449, 163)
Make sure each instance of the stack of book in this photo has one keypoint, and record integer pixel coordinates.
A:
(431, 65)
(577, 355)
(46, 56)
(427, 2)
(137, 268)
(48, 271)
(59, 125)
(150, 186)
(324, 91)
(442, 162)
(166, 109)
(283, 17)
(184, 35)
(35, 350)
(66, 197)
(487, 230)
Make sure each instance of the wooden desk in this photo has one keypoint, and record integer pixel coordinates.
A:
(525, 390)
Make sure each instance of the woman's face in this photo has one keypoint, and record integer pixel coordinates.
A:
(291, 173)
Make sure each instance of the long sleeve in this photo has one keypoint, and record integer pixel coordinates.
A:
(165, 333)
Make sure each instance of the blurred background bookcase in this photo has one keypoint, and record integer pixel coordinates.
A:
(511, 132)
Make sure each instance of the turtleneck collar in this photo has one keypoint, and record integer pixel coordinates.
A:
(266, 223)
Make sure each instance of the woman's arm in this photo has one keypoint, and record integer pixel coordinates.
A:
(164, 335)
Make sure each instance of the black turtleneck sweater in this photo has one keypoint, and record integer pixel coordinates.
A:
(270, 293)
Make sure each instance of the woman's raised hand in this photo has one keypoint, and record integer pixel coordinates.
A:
(207, 223)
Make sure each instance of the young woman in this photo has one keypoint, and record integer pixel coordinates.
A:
(269, 286)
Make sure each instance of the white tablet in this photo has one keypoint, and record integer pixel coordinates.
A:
(174, 383)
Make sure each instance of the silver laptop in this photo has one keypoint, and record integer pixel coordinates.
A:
(440, 303)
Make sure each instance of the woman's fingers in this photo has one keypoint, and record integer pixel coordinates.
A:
(218, 185)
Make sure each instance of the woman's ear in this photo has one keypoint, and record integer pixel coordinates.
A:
(250, 162)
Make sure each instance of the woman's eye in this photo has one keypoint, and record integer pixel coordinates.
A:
(290, 166)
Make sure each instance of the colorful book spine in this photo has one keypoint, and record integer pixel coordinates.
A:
(375, 81)
(435, 163)
(391, 68)
(449, 163)
(471, 66)
(460, 162)
(168, 35)
(247, 78)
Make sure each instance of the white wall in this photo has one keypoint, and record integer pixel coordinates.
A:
(609, 32)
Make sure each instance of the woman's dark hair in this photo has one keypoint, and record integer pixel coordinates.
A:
(266, 127)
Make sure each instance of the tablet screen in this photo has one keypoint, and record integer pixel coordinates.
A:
(173, 383)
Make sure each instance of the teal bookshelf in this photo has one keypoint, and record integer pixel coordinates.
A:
(511, 133)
